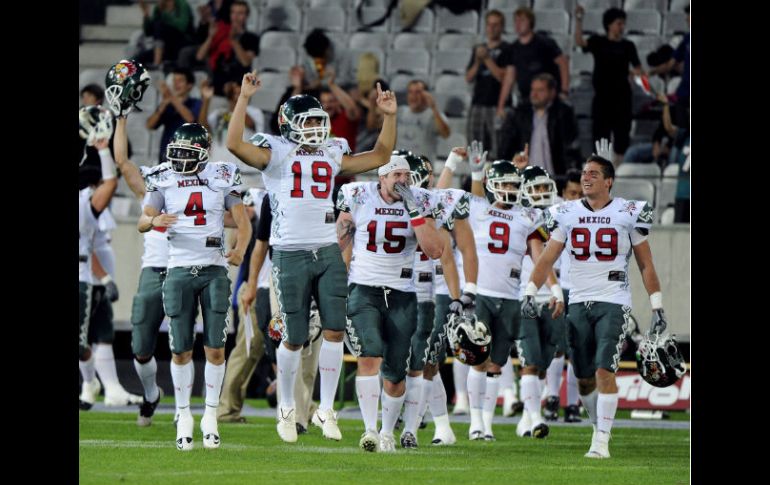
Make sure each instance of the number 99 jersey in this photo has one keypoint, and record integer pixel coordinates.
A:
(599, 245)
(300, 180)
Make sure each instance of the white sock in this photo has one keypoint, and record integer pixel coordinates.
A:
(104, 362)
(391, 407)
(606, 405)
(589, 402)
(411, 403)
(329, 366)
(426, 394)
(460, 373)
(87, 368)
(368, 391)
(438, 397)
(490, 402)
(572, 386)
(541, 388)
(553, 375)
(147, 373)
(476, 388)
(182, 377)
(287, 363)
(506, 377)
(530, 395)
(442, 423)
(214, 375)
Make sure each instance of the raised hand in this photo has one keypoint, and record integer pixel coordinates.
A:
(386, 101)
(477, 156)
(250, 84)
(604, 148)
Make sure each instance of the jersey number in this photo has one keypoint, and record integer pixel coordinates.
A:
(195, 208)
(324, 178)
(606, 238)
(499, 232)
(388, 247)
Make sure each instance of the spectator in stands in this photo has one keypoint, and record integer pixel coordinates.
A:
(546, 125)
(532, 54)
(420, 122)
(208, 14)
(218, 119)
(229, 47)
(176, 107)
(171, 27)
(680, 154)
(680, 63)
(319, 54)
(343, 111)
(611, 110)
(486, 71)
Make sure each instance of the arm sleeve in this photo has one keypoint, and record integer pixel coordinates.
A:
(265, 219)
(154, 199)
(644, 220)
(463, 207)
(343, 204)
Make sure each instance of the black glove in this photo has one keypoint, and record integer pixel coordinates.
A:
(456, 307)
(469, 300)
(409, 201)
(529, 307)
(111, 291)
(659, 323)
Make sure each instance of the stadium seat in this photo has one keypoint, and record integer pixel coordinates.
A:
(267, 99)
(675, 23)
(451, 61)
(280, 17)
(447, 82)
(581, 63)
(634, 189)
(457, 41)
(92, 76)
(598, 4)
(552, 21)
(369, 14)
(276, 59)
(592, 22)
(581, 103)
(139, 136)
(645, 22)
(667, 216)
(667, 193)
(356, 54)
(274, 80)
(408, 61)
(567, 5)
(414, 40)
(445, 145)
(454, 104)
(564, 41)
(645, 43)
(279, 39)
(326, 18)
(678, 5)
(362, 40)
(447, 22)
(659, 5)
(328, 3)
(507, 4)
(638, 170)
(424, 22)
(399, 82)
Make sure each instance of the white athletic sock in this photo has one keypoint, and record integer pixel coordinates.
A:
(530, 395)
(460, 373)
(214, 375)
(426, 393)
(438, 397)
(476, 388)
(553, 376)
(329, 366)
(391, 407)
(87, 368)
(541, 388)
(411, 403)
(147, 373)
(104, 362)
(442, 423)
(572, 386)
(182, 377)
(506, 376)
(490, 402)
(589, 402)
(368, 391)
(287, 363)
(606, 405)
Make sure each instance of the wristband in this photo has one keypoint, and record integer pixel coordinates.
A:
(656, 300)
(107, 279)
(557, 293)
(108, 165)
(477, 176)
(418, 221)
(531, 289)
(470, 288)
(452, 160)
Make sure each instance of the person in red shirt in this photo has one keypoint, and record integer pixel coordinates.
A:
(344, 112)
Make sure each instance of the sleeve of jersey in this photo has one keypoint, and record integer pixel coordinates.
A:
(343, 199)
(555, 230)
(263, 140)
(463, 207)
(265, 219)
(644, 218)
(341, 144)
(538, 229)
(154, 199)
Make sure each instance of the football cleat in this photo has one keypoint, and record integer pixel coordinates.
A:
(524, 426)
(184, 431)
(328, 420)
(551, 409)
(476, 435)
(287, 425)
(301, 429)
(147, 409)
(599, 445)
(408, 440)
(572, 414)
(444, 437)
(117, 396)
(387, 443)
(489, 437)
(370, 441)
(89, 393)
(210, 431)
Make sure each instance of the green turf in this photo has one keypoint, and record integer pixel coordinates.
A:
(113, 450)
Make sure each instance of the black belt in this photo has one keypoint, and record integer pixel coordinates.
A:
(82, 258)
(158, 269)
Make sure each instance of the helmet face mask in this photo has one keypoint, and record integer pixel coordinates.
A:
(188, 148)
(659, 361)
(293, 115)
(420, 168)
(95, 123)
(538, 189)
(126, 83)
(469, 338)
(503, 172)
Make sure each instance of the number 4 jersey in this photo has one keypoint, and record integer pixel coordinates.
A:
(200, 201)
(599, 245)
(300, 180)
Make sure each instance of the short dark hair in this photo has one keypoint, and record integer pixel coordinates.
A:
(608, 169)
(527, 12)
(324, 89)
(94, 89)
(316, 43)
(496, 12)
(611, 15)
(573, 175)
(188, 75)
(548, 78)
(241, 2)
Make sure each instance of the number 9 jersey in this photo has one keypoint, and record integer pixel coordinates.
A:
(300, 180)
(599, 245)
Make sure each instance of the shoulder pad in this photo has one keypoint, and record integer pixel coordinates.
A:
(157, 176)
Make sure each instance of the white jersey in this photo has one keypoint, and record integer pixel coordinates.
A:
(87, 226)
(155, 253)
(457, 203)
(300, 181)
(200, 201)
(263, 278)
(501, 241)
(599, 246)
(423, 268)
(384, 243)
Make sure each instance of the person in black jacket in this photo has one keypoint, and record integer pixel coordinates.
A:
(546, 125)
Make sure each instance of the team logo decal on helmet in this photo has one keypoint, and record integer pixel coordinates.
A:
(469, 338)
(126, 83)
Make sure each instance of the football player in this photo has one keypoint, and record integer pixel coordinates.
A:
(298, 168)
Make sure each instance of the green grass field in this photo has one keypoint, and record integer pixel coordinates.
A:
(113, 450)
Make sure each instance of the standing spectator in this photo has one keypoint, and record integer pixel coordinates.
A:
(420, 121)
(230, 48)
(611, 110)
(546, 124)
(530, 55)
(343, 111)
(208, 13)
(681, 63)
(319, 54)
(176, 107)
(487, 70)
(171, 26)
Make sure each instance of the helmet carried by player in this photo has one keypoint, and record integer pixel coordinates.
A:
(292, 116)
(95, 123)
(420, 168)
(659, 361)
(538, 189)
(126, 83)
(469, 338)
(501, 173)
(189, 147)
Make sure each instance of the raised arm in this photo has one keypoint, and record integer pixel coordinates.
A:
(449, 265)
(249, 154)
(386, 142)
(130, 171)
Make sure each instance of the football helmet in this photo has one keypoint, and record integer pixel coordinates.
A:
(469, 338)
(533, 177)
(189, 147)
(126, 83)
(95, 123)
(502, 172)
(292, 116)
(659, 361)
(420, 168)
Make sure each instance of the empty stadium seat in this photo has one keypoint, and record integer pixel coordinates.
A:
(445, 145)
(581, 63)
(267, 99)
(325, 18)
(92, 76)
(567, 5)
(553, 21)
(634, 189)
(328, 3)
(368, 15)
(638, 170)
(507, 4)
(408, 61)
(279, 39)
(446, 83)
(424, 23)
(274, 80)
(413, 40)
(678, 5)
(667, 216)
(467, 22)
(457, 41)
(451, 61)
(280, 17)
(362, 40)
(276, 59)
(454, 104)
(659, 5)
(399, 82)
(592, 22)
(647, 22)
(675, 23)
(599, 4)
(564, 41)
